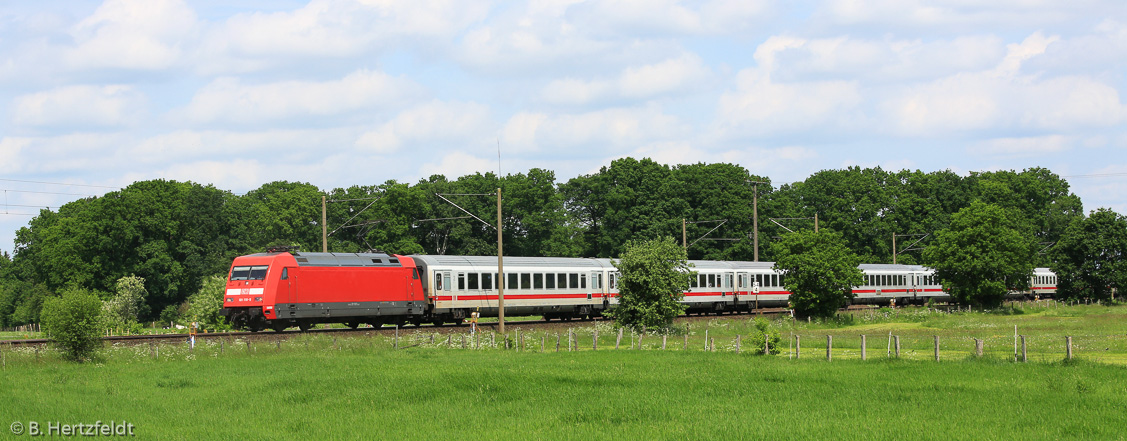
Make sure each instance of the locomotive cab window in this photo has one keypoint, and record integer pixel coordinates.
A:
(285, 274)
(249, 272)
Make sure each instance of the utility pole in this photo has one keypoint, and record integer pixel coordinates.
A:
(815, 222)
(755, 216)
(500, 271)
(684, 236)
(324, 226)
(894, 248)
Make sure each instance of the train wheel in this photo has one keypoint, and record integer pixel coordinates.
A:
(547, 318)
(352, 325)
(303, 325)
(279, 327)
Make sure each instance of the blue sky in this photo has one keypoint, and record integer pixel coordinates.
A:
(345, 92)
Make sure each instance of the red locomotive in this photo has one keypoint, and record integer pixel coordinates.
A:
(277, 289)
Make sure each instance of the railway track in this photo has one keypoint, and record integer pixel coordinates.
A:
(444, 329)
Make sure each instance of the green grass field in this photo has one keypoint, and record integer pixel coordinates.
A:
(359, 387)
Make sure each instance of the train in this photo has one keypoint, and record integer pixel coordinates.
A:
(283, 288)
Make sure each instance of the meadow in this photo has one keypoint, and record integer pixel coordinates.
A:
(360, 387)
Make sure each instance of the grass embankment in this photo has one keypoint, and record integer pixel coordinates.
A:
(357, 387)
(427, 393)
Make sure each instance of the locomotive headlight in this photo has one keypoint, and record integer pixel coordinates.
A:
(258, 299)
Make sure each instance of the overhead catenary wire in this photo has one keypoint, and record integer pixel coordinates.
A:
(49, 192)
(57, 183)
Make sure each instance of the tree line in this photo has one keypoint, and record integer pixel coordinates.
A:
(175, 235)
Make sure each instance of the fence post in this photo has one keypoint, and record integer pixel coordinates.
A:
(712, 345)
(1068, 341)
(557, 341)
(618, 340)
(797, 346)
(1024, 357)
(897, 341)
(595, 341)
(829, 347)
(706, 338)
(569, 339)
(449, 338)
(463, 341)
(543, 340)
(737, 344)
(396, 337)
(978, 344)
(663, 337)
(862, 347)
(936, 348)
(686, 346)
(278, 344)
(640, 337)
(248, 346)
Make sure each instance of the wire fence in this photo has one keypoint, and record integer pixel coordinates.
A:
(1109, 349)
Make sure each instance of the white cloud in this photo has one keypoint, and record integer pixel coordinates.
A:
(133, 34)
(190, 145)
(235, 173)
(604, 131)
(10, 149)
(1027, 146)
(333, 28)
(455, 164)
(82, 152)
(762, 106)
(81, 106)
(982, 101)
(671, 76)
(955, 15)
(433, 122)
(229, 100)
(879, 61)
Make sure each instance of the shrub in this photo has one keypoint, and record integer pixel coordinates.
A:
(764, 333)
(73, 321)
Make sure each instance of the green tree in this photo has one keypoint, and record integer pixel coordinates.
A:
(985, 251)
(818, 270)
(167, 232)
(277, 213)
(204, 305)
(1091, 258)
(654, 276)
(1043, 199)
(128, 303)
(73, 321)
